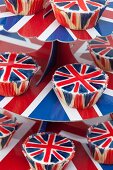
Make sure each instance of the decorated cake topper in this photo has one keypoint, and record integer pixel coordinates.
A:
(48, 151)
(101, 49)
(79, 85)
(16, 71)
(100, 139)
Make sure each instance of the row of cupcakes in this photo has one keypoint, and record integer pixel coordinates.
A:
(74, 14)
(51, 151)
(17, 70)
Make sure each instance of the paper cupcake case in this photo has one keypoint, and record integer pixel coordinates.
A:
(7, 129)
(78, 15)
(48, 151)
(100, 141)
(79, 85)
(101, 49)
(15, 73)
(24, 7)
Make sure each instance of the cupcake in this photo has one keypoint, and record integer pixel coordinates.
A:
(46, 151)
(79, 85)
(100, 141)
(16, 71)
(78, 15)
(7, 129)
(24, 7)
(101, 49)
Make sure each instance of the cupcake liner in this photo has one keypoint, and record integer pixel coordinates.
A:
(73, 17)
(43, 159)
(101, 49)
(15, 73)
(79, 85)
(24, 7)
(7, 129)
(100, 142)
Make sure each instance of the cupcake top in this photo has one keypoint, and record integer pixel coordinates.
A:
(7, 125)
(16, 67)
(80, 6)
(80, 78)
(48, 148)
(101, 135)
(102, 46)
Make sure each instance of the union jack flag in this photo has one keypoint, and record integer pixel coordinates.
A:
(80, 5)
(73, 82)
(101, 49)
(49, 150)
(100, 139)
(17, 68)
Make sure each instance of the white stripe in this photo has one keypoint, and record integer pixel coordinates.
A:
(106, 19)
(20, 23)
(71, 33)
(97, 110)
(108, 8)
(6, 14)
(108, 92)
(95, 162)
(71, 166)
(80, 51)
(50, 29)
(20, 42)
(37, 100)
(5, 101)
(72, 113)
(1, 27)
(2, 5)
(22, 130)
(93, 32)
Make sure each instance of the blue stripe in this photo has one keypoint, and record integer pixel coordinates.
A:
(107, 167)
(105, 104)
(1, 2)
(104, 27)
(110, 5)
(11, 21)
(50, 109)
(12, 35)
(61, 34)
(1, 98)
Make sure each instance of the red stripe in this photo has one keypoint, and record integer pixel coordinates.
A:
(85, 113)
(108, 14)
(76, 74)
(82, 5)
(94, 3)
(36, 152)
(57, 155)
(82, 155)
(40, 139)
(19, 74)
(49, 148)
(3, 130)
(63, 74)
(106, 143)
